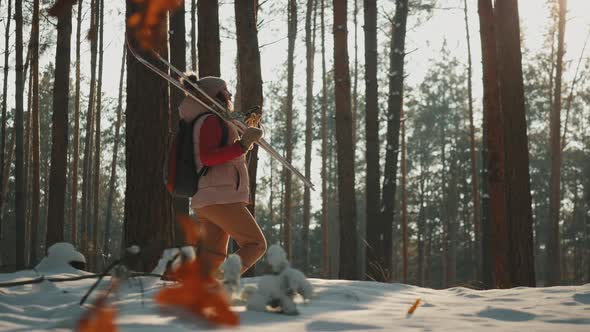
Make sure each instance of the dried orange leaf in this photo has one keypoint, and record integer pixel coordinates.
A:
(414, 307)
(200, 294)
(101, 318)
(134, 20)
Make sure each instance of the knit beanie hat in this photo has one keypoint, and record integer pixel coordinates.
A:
(211, 85)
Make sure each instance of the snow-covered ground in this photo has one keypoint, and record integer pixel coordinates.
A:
(337, 305)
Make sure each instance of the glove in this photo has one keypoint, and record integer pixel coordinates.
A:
(251, 135)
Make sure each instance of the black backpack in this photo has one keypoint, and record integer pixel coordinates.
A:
(180, 171)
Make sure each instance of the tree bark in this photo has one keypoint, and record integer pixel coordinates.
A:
(87, 168)
(193, 35)
(20, 198)
(250, 77)
(310, 51)
(324, 135)
(586, 177)
(292, 37)
(147, 225)
(4, 117)
(112, 181)
(474, 169)
(355, 79)
(518, 194)
(395, 104)
(404, 203)
(75, 152)
(59, 147)
(344, 146)
(372, 141)
(495, 230)
(208, 44)
(97, 145)
(35, 197)
(178, 60)
(553, 242)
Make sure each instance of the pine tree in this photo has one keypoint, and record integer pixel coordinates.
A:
(20, 198)
(89, 141)
(4, 117)
(344, 146)
(474, 169)
(147, 225)
(325, 217)
(59, 146)
(35, 198)
(395, 104)
(518, 194)
(76, 139)
(372, 141)
(292, 37)
(209, 44)
(310, 53)
(178, 60)
(553, 241)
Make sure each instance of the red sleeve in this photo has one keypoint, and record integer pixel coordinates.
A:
(210, 140)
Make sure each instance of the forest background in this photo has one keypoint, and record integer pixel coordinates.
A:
(436, 62)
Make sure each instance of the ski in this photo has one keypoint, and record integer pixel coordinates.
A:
(218, 109)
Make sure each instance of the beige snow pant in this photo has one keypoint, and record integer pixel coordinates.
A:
(220, 222)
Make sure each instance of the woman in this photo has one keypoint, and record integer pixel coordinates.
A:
(224, 191)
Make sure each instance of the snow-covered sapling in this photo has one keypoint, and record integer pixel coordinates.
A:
(277, 290)
(231, 269)
(62, 257)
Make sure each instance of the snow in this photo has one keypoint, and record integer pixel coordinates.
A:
(59, 258)
(336, 305)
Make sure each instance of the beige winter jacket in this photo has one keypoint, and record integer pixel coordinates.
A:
(225, 183)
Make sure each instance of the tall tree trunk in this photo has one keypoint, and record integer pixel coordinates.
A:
(28, 156)
(324, 134)
(75, 152)
(250, 76)
(310, 51)
(356, 76)
(6, 169)
(445, 208)
(59, 146)
(374, 227)
(112, 181)
(147, 225)
(518, 193)
(178, 60)
(4, 117)
(553, 242)
(88, 141)
(421, 226)
(586, 195)
(495, 248)
(97, 146)
(193, 35)
(35, 198)
(474, 169)
(404, 203)
(395, 104)
(20, 198)
(209, 44)
(292, 37)
(344, 146)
